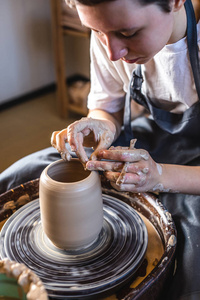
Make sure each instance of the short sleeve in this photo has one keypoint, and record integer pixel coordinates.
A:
(109, 80)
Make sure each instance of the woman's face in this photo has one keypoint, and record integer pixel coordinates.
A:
(130, 31)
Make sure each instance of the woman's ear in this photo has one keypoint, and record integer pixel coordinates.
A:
(178, 4)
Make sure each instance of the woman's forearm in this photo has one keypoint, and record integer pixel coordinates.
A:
(115, 118)
(180, 179)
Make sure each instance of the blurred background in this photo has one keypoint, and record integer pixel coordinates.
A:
(44, 74)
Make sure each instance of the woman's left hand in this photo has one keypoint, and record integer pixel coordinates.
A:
(129, 170)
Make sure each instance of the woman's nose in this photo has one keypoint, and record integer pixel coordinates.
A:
(116, 48)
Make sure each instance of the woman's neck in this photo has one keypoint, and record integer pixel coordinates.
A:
(179, 27)
(180, 22)
(196, 5)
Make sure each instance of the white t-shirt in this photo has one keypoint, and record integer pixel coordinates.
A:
(168, 78)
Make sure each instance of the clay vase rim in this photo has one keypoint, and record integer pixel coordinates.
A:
(58, 184)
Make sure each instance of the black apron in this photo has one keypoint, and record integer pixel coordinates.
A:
(174, 138)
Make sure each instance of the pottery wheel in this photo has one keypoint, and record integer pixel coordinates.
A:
(102, 267)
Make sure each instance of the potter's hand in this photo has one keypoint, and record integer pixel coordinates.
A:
(130, 170)
(103, 135)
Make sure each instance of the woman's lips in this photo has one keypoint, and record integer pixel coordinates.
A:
(130, 61)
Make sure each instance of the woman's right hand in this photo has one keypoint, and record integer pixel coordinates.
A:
(76, 135)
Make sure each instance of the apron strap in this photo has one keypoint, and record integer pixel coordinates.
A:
(127, 115)
(134, 91)
(192, 44)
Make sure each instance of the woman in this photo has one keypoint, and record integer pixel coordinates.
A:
(131, 37)
(152, 34)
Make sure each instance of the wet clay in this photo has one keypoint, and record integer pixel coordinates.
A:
(71, 204)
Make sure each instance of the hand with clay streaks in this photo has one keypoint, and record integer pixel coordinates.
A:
(78, 135)
(131, 170)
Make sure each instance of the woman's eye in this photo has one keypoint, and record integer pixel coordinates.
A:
(128, 36)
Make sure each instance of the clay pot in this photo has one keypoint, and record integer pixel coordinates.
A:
(71, 204)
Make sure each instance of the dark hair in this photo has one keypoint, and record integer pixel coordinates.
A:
(164, 4)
